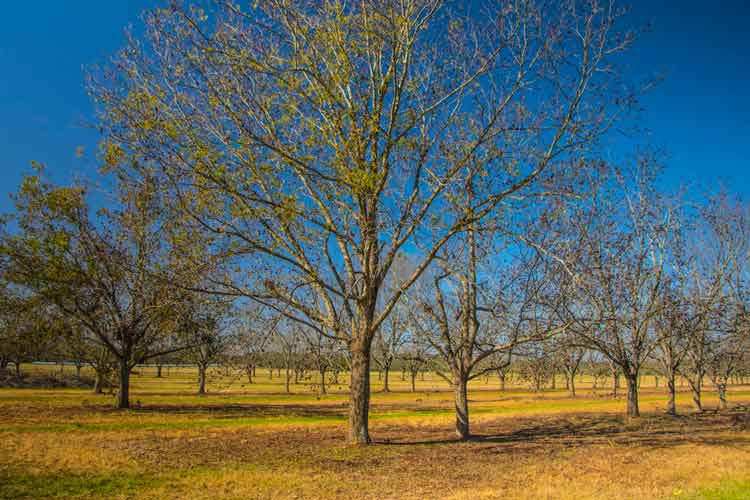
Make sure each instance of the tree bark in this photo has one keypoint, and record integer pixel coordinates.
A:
(413, 381)
(287, 380)
(18, 368)
(323, 389)
(78, 371)
(359, 397)
(158, 371)
(632, 383)
(123, 395)
(462, 407)
(572, 385)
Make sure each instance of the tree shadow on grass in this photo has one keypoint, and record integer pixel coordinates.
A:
(579, 430)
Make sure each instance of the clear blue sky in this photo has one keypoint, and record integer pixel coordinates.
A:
(699, 113)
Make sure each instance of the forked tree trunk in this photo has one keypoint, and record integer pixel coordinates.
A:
(462, 407)
(632, 383)
(123, 395)
(359, 397)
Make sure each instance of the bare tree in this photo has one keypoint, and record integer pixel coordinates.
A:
(319, 137)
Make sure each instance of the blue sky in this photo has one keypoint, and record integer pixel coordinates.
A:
(699, 114)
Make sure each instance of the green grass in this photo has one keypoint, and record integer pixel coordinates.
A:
(732, 489)
(76, 485)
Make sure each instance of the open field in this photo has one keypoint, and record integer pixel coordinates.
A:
(254, 441)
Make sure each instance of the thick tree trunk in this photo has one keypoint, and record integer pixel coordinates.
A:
(201, 379)
(671, 396)
(359, 397)
(386, 371)
(462, 407)
(632, 383)
(123, 395)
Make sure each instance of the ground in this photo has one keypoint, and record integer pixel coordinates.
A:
(253, 441)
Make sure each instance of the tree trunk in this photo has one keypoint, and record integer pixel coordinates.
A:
(386, 371)
(501, 376)
(615, 383)
(359, 397)
(671, 404)
(571, 383)
(78, 371)
(462, 407)
(413, 381)
(201, 379)
(323, 389)
(98, 383)
(123, 395)
(250, 372)
(722, 387)
(696, 389)
(632, 383)
(18, 368)
(287, 380)
(158, 371)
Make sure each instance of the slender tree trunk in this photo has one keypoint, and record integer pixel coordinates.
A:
(462, 407)
(78, 371)
(571, 383)
(386, 371)
(501, 375)
(322, 372)
(403, 374)
(413, 381)
(722, 388)
(98, 382)
(158, 370)
(123, 395)
(250, 370)
(615, 383)
(632, 383)
(287, 380)
(18, 368)
(671, 395)
(359, 397)
(201, 379)
(696, 389)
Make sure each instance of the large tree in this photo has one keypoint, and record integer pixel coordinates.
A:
(315, 139)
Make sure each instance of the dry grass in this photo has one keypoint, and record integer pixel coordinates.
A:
(256, 442)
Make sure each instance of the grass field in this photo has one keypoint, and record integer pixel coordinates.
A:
(253, 441)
